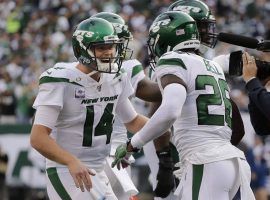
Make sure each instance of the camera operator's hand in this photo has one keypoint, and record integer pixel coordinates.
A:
(249, 67)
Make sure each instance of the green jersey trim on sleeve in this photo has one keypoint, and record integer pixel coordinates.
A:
(136, 69)
(48, 79)
(172, 61)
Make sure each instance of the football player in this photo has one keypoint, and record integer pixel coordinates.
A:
(148, 91)
(206, 24)
(196, 102)
(75, 109)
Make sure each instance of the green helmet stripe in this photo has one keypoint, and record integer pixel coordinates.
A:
(172, 61)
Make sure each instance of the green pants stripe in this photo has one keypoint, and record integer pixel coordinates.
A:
(196, 181)
(57, 184)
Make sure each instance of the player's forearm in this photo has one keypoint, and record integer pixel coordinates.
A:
(159, 123)
(148, 91)
(45, 145)
(136, 124)
(164, 117)
(162, 141)
(238, 130)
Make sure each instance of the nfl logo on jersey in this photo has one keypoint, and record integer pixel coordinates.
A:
(79, 93)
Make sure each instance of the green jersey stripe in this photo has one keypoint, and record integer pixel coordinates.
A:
(196, 181)
(48, 79)
(57, 184)
(136, 69)
(172, 61)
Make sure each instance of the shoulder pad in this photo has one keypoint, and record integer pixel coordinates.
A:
(132, 67)
(172, 58)
(61, 72)
(130, 63)
(65, 64)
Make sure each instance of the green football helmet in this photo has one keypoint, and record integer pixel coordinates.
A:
(172, 31)
(201, 13)
(92, 33)
(121, 28)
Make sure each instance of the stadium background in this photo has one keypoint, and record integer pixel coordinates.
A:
(36, 34)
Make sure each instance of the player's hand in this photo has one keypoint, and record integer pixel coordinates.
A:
(165, 177)
(121, 157)
(81, 175)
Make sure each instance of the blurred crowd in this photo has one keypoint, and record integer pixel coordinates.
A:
(37, 34)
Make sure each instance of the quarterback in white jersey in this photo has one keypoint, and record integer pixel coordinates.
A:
(196, 101)
(75, 110)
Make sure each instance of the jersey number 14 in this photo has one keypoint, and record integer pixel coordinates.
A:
(104, 127)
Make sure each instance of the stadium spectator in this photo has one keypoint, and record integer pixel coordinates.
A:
(7, 99)
(3, 170)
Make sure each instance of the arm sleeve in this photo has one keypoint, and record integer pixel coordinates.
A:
(259, 96)
(47, 116)
(125, 111)
(164, 117)
(134, 71)
(127, 89)
(137, 75)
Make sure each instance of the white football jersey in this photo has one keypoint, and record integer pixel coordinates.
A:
(206, 115)
(84, 125)
(135, 74)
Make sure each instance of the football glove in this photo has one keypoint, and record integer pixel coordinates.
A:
(122, 155)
